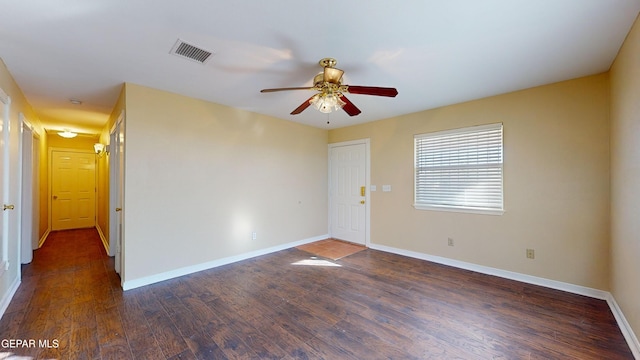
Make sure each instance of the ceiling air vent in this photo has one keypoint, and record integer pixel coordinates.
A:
(190, 52)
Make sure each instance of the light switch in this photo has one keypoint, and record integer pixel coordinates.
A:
(372, 188)
(386, 188)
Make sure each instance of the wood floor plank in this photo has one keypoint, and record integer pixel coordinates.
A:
(388, 344)
(368, 305)
(169, 302)
(260, 344)
(35, 320)
(115, 351)
(288, 339)
(59, 328)
(167, 335)
(83, 344)
(196, 318)
(134, 321)
(203, 347)
(222, 331)
(11, 323)
(145, 346)
(109, 327)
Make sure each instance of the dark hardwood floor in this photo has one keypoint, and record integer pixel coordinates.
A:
(285, 305)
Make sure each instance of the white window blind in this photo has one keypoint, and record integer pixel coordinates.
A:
(460, 170)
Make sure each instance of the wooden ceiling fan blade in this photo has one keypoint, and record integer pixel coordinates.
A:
(286, 89)
(372, 90)
(302, 106)
(348, 107)
(332, 75)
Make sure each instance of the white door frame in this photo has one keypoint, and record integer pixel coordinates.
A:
(29, 190)
(36, 191)
(116, 194)
(367, 204)
(5, 167)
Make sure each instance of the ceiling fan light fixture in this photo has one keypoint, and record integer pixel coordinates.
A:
(326, 103)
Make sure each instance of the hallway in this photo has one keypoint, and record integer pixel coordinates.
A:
(68, 286)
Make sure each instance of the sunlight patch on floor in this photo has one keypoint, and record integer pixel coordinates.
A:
(314, 261)
(11, 356)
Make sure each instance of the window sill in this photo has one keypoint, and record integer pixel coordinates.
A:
(459, 209)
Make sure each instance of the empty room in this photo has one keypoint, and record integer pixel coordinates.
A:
(336, 180)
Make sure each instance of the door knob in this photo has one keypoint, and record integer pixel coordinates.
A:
(8, 207)
(118, 209)
(55, 197)
(361, 201)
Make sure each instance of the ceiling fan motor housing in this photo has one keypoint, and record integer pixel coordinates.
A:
(318, 79)
(328, 62)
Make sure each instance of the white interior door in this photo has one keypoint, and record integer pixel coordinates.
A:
(5, 101)
(35, 218)
(73, 190)
(26, 252)
(348, 192)
(116, 195)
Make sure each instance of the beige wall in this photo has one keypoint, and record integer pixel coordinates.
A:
(556, 183)
(625, 178)
(201, 177)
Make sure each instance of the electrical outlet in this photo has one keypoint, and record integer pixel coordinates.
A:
(531, 254)
(450, 241)
(254, 235)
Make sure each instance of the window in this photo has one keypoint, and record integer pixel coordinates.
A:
(460, 170)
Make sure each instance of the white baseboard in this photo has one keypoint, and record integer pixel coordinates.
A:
(553, 284)
(624, 326)
(105, 243)
(132, 284)
(6, 300)
(43, 238)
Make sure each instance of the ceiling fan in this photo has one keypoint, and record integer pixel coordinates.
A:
(331, 91)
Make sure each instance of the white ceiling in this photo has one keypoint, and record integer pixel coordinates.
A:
(435, 52)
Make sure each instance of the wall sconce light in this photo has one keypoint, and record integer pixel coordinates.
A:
(100, 149)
